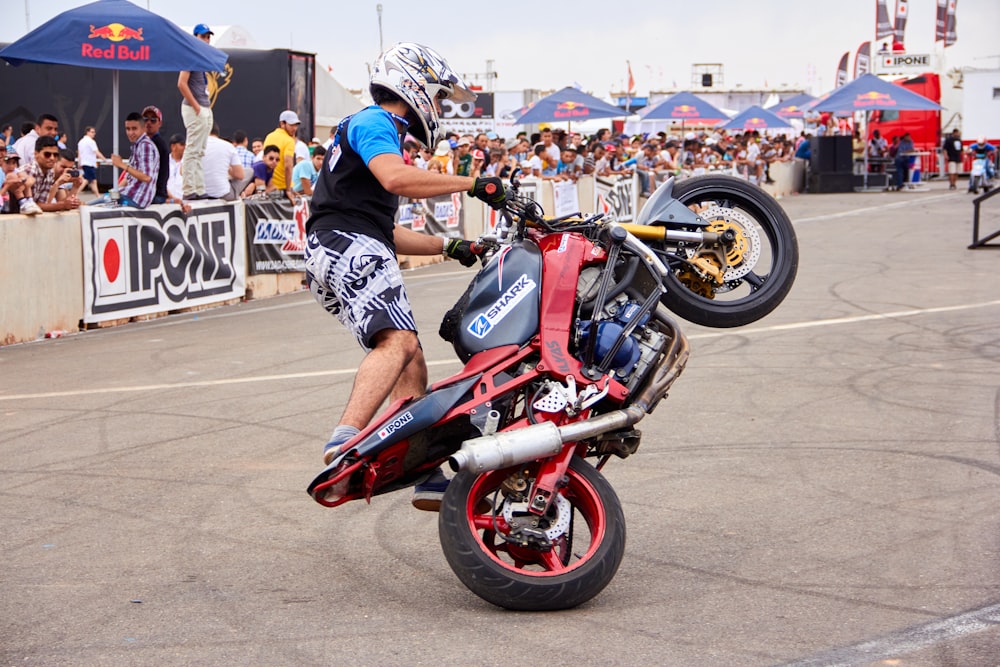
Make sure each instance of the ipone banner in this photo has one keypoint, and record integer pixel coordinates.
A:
(154, 260)
(276, 230)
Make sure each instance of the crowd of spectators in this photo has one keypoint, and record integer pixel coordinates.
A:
(281, 165)
(42, 173)
(559, 155)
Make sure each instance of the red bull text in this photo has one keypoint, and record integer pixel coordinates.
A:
(115, 32)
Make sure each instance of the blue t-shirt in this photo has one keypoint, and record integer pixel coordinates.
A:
(261, 171)
(347, 196)
(304, 169)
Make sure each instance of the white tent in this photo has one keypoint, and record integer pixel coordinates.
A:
(333, 102)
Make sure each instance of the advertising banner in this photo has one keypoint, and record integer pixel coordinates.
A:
(842, 70)
(155, 260)
(566, 199)
(862, 60)
(902, 13)
(619, 196)
(438, 216)
(277, 235)
(469, 117)
(950, 36)
(883, 28)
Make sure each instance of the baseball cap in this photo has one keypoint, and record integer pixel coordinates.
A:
(478, 155)
(156, 112)
(290, 117)
(11, 155)
(491, 135)
(464, 141)
(202, 29)
(443, 148)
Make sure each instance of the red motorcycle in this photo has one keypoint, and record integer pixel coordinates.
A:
(568, 344)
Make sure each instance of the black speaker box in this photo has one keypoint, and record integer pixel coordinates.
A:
(820, 182)
(831, 155)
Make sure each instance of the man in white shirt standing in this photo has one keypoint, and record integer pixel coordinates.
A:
(89, 154)
(47, 126)
(220, 164)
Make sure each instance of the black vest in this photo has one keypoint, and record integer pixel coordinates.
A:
(348, 197)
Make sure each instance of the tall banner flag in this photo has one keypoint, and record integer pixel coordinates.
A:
(630, 91)
(902, 11)
(842, 69)
(862, 60)
(949, 28)
(940, 20)
(882, 26)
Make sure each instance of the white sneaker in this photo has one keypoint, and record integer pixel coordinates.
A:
(31, 208)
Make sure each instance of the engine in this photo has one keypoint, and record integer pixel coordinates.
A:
(633, 342)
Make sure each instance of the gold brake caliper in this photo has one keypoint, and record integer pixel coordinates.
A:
(709, 264)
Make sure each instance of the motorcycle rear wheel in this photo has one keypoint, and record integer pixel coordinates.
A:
(752, 290)
(583, 558)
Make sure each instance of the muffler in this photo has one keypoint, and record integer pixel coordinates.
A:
(538, 441)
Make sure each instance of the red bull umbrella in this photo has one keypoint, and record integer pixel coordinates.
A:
(755, 118)
(116, 35)
(568, 104)
(870, 93)
(793, 107)
(685, 107)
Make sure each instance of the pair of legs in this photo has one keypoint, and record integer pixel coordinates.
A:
(393, 369)
(356, 278)
(198, 125)
(89, 180)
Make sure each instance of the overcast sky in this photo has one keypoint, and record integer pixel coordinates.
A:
(551, 45)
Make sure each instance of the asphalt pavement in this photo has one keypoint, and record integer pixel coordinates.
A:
(821, 487)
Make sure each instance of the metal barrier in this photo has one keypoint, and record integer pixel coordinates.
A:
(983, 242)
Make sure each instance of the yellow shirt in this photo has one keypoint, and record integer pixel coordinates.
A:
(286, 152)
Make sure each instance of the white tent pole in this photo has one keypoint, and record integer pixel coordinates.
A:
(114, 126)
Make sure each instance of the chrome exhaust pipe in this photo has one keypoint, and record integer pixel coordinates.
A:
(538, 441)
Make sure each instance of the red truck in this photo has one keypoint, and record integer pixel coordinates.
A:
(972, 109)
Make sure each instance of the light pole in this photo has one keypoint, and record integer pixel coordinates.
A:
(378, 8)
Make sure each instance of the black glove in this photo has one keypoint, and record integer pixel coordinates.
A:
(490, 190)
(462, 250)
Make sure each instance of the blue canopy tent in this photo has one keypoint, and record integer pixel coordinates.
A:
(755, 118)
(567, 105)
(793, 107)
(684, 107)
(115, 35)
(870, 93)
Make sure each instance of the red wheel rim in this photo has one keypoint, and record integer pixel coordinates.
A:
(586, 506)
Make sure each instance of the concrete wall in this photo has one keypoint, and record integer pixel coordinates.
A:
(41, 275)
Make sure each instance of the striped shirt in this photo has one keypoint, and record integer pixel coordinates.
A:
(145, 158)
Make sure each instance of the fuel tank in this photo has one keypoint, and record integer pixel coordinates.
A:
(503, 302)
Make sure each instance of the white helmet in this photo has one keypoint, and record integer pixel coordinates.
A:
(418, 75)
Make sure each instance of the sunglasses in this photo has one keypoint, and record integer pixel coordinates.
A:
(50, 153)
(149, 119)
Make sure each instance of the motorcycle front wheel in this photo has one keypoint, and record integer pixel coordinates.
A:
(520, 561)
(758, 270)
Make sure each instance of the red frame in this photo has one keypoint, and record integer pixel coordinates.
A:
(564, 255)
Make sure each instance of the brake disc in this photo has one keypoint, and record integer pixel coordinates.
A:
(516, 513)
(744, 252)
